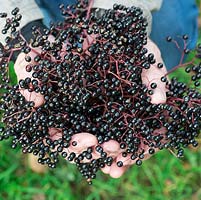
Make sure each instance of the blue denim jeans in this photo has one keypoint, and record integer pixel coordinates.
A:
(175, 18)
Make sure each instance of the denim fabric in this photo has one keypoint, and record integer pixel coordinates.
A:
(50, 9)
(175, 18)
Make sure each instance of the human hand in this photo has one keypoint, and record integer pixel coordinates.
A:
(149, 76)
(86, 140)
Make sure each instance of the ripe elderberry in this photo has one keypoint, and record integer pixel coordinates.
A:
(94, 85)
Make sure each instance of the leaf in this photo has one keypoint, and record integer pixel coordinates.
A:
(12, 74)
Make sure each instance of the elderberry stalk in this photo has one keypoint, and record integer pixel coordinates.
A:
(87, 74)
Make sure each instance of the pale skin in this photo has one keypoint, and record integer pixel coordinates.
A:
(86, 140)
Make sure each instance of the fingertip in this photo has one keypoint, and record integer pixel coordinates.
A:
(81, 141)
(85, 137)
(111, 146)
(117, 172)
(106, 169)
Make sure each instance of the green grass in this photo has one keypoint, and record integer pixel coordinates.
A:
(163, 177)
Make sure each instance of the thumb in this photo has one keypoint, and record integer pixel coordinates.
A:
(21, 72)
(152, 77)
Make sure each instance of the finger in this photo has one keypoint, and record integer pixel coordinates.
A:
(21, 63)
(154, 74)
(111, 147)
(37, 98)
(81, 141)
(116, 172)
(95, 154)
(20, 69)
(126, 160)
(106, 169)
(55, 133)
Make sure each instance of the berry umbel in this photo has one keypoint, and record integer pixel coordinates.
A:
(89, 76)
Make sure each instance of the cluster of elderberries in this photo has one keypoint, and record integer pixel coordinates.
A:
(90, 78)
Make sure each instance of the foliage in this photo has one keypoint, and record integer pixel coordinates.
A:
(162, 177)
